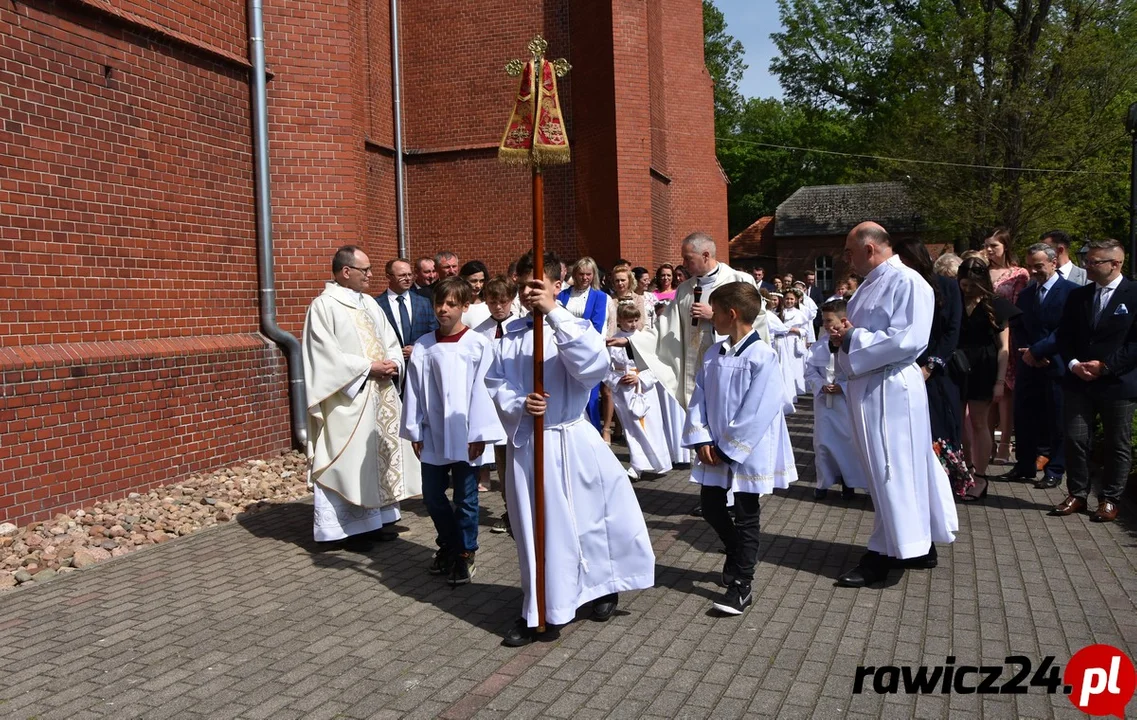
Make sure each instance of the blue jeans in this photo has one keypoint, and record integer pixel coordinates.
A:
(457, 524)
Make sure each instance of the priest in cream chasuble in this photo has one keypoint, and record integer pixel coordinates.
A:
(352, 362)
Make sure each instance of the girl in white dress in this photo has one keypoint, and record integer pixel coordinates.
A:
(792, 349)
(636, 402)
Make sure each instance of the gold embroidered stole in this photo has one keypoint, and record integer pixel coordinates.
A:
(387, 411)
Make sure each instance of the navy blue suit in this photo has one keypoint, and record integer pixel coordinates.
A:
(1112, 340)
(1039, 422)
(423, 320)
(595, 312)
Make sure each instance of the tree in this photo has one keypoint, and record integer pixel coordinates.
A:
(994, 89)
(723, 55)
(765, 169)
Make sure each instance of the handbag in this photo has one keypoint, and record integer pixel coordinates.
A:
(638, 404)
(959, 364)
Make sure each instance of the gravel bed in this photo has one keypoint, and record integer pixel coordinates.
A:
(39, 551)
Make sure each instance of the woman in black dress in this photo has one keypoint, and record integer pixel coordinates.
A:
(984, 339)
(940, 373)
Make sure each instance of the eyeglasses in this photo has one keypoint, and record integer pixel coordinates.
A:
(1095, 263)
(365, 271)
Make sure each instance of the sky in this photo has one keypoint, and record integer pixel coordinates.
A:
(751, 22)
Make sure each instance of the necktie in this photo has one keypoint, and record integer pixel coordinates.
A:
(1041, 293)
(1061, 275)
(1098, 304)
(404, 319)
(497, 335)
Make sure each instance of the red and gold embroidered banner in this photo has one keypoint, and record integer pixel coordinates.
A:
(536, 130)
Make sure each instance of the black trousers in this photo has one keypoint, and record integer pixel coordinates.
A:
(1116, 416)
(740, 533)
(1039, 420)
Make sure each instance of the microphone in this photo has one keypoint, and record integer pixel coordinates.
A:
(698, 290)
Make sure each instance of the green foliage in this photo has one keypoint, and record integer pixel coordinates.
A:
(991, 86)
(762, 176)
(723, 55)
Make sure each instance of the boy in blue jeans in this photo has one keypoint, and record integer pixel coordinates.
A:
(449, 418)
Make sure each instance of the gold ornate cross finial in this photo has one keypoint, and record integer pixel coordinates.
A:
(537, 47)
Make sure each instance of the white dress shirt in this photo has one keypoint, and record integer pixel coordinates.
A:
(1102, 294)
(393, 298)
(1046, 288)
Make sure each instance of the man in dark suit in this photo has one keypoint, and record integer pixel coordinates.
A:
(1038, 396)
(425, 277)
(759, 274)
(409, 313)
(816, 296)
(1097, 339)
(1067, 270)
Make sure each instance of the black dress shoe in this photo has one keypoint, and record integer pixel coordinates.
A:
(604, 607)
(697, 511)
(1019, 475)
(1049, 481)
(358, 544)
(873, 568)
(381, 535)
(926, 561)
(519, 635)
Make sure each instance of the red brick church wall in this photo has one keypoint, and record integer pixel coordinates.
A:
(128, 341)
(129, 345)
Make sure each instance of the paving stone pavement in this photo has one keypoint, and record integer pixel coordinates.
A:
(252, 620)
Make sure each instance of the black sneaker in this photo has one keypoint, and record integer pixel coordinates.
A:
(735, 600)
(462, 570)
(441, 563)
(503, 526)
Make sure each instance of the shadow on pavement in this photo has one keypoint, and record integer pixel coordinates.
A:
(398, 565)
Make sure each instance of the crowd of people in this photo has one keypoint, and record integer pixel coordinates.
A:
(912, 364)
(1032, 356)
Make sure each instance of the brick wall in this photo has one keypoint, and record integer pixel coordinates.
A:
(698, 187)
(129, 344)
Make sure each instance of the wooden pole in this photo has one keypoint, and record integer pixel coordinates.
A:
(539, 388)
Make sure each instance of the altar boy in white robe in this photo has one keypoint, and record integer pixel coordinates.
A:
(674, 348)
(887, 328)
(449, 419)
(636, 402)
(834, 455)
(500, 294)
(352, 358)
(596, 540)
(736, 423)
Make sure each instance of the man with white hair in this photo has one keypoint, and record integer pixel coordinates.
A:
(674, 348)
(683, 333)
(887, 327)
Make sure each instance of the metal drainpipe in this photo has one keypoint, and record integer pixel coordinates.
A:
(397, 102)
(297, 397)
